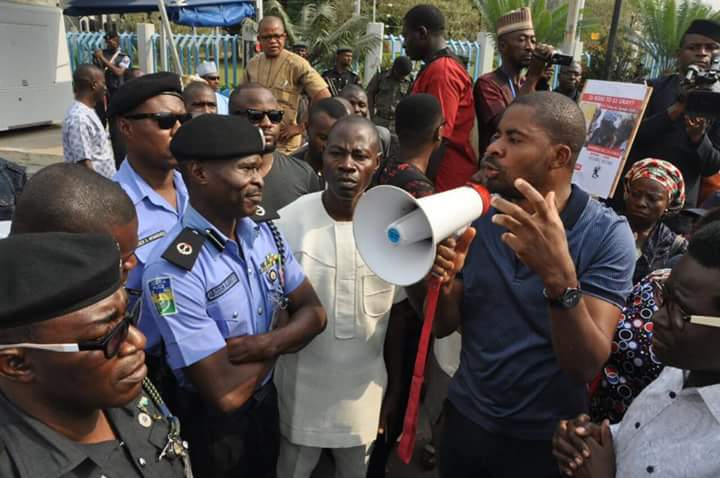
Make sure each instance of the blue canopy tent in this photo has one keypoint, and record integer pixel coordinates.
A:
(194, 13)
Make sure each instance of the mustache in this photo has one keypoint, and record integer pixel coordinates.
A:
(488, 160)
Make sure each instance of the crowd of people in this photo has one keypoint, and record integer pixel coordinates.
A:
(183, 296)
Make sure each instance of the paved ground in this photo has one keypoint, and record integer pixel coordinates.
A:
(33, 148)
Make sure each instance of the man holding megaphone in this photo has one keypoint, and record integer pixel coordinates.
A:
(536, 295)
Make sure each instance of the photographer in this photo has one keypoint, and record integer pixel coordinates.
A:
(494, 91)
(667, 131)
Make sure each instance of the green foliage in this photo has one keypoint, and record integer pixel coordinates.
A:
(462, 17)
(325, 27)
(549, 21)
(663, 23)
(626, 65)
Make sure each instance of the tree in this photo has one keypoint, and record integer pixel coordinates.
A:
(326, 26)
(663, 23)
(549, 22)
(462, 17)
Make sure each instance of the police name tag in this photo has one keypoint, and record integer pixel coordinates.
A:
(162, 296)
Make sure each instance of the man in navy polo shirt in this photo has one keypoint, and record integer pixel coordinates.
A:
(537, 299)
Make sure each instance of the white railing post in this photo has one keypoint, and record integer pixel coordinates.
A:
(146, 54)
(487, 52)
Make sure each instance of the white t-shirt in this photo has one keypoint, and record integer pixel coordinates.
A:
(330, 393)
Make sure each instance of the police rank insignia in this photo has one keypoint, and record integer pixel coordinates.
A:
(162, 296)
(268, 266)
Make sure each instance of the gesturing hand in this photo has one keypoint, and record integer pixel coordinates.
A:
(695, 127)
(537, 238)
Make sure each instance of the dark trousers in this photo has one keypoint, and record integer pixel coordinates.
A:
(469, 451)
(242, 444)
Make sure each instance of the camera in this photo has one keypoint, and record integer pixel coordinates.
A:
(561, 59)
(556, 58)
(703, 97)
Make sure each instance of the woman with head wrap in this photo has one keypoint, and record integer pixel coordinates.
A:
(654, 190)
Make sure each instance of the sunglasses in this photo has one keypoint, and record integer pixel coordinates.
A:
(164, 120)
(212, 78)
(110, 344)
(256, 116)
(665, 298)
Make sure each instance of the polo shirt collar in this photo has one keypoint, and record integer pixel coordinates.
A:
(574, 208)
(246, 228)
(60, 455)
(138, 189)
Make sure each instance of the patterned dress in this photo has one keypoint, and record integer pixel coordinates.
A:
(632, 364)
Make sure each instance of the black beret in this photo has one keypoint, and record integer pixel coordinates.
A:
(209, 136)
(343, 50)
(300, 45)
(707, 28)
(135, 92)
(46, 275)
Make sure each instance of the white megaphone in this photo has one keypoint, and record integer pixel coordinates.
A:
(397, 235)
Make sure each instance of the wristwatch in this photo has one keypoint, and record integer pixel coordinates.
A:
(569, 299)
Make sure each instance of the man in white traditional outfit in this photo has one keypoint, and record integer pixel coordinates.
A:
(330, 393)
(208, 71)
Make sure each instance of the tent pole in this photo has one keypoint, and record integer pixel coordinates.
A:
(168, 31)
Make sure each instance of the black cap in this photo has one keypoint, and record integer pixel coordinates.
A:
(343, 49)
(707, 28)
(217, 137)
(46, 275)
(300, 45)
(134, 93)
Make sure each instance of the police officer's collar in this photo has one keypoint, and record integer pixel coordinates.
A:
(246, 229)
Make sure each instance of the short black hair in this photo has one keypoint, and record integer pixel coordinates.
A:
(84, 76)
(356, 121)
(402, 65)
(559, 116)
(352, 89)
(67, 197)
(417, 118)
(245, 87)
(704, 245)
(330, 106)
(428, 16)
(194, 88)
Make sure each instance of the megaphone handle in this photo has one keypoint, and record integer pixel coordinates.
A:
(407, 442)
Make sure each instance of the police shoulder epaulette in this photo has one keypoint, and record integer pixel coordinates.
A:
(185, 249)
(264, 214)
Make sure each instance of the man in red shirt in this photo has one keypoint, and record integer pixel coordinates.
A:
(444, 77)
(495, 91)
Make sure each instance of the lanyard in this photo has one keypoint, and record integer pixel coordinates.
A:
(512, 88)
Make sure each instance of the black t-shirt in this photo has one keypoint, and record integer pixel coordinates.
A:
(405, 176)
(287, 180)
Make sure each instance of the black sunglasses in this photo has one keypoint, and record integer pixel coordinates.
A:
(256, 116)
(164, 120)
(110, 344)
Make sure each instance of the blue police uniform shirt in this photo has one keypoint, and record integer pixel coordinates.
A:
(228, 293)
(509, 381)
(155, 219)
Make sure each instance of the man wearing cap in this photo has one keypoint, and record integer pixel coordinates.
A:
(285, 178)
(228, 298)
(208, 71)
(74, 400)
(341, 75)
(385, 91)
(301, 49)
(112, 61)
(149, 111)
(444, 77)
(494, 91)
(288, 76)
(667, 131)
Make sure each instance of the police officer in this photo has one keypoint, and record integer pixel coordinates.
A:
(385, 91)
(74, 401)
(228, 298)
(149, 111)
(341, 74)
